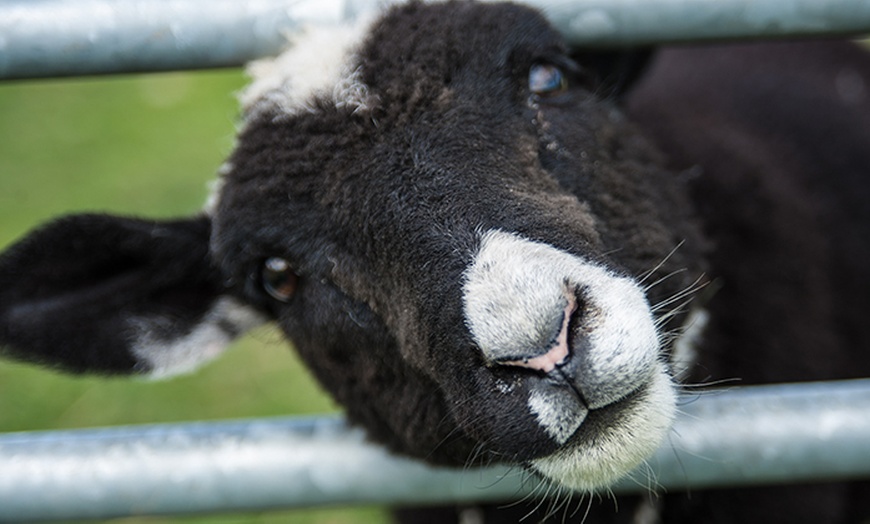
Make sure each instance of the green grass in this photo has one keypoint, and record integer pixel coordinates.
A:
(141, 145)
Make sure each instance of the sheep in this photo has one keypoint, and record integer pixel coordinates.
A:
(491, 248)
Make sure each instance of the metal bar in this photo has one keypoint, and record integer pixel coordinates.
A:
(51, 38)
(767, 435)
(43, 38)
(758, 435)
(637, 22)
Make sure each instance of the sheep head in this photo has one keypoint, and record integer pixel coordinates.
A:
(449, 218)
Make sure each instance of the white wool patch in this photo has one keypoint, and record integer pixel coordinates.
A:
(320, 63)
(215, 187)
(206, 341)
(685, 352)
(514, 296)
(616, 448)
(558, 411)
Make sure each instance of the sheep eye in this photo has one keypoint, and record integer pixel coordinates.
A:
(546, 79)
(278, 279)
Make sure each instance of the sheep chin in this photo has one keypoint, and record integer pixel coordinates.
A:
(616, 449)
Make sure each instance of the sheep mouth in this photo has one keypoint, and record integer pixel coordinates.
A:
(597, 420)
(611, 441)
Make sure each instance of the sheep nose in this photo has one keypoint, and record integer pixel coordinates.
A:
(531, 305)
(556, 352)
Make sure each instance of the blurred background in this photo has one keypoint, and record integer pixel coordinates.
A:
(145, 145)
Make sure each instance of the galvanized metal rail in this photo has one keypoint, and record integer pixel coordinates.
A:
(50, 38)
(758, 435)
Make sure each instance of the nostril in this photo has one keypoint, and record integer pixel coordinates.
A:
(546, 362)
(559, 350)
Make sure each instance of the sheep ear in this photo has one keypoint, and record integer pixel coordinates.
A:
(104, 294)
(615, 72)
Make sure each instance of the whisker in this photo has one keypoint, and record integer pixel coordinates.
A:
(664, 278)
(691, 289)
(588, 509)
(578, 506)
(697, 386)
(541, 501)
(662, 263)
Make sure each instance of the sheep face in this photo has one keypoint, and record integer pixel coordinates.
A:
(453, 224)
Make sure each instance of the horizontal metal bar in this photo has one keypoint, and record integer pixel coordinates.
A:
(768, 435)
(758, 435)
(50, 38)
(638, 22)
(43, 38)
